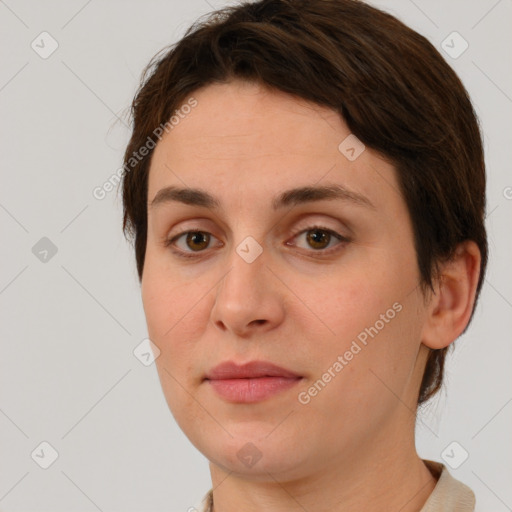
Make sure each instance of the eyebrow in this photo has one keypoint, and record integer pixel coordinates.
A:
(294, 196)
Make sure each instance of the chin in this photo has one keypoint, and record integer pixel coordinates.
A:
(255, 456)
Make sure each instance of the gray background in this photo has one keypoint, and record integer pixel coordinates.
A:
(70, 324)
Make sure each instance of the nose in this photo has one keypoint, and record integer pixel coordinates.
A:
(248, 299)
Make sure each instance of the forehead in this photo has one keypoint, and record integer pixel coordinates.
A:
(245, 138)
(239, 119)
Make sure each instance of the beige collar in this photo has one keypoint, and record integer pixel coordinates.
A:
(449, 494)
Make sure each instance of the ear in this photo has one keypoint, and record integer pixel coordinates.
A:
(451, 305)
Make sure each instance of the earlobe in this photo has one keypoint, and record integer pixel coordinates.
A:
(451, 306)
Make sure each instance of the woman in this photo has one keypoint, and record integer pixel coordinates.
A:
(305, 187)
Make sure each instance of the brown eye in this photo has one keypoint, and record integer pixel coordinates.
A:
(318, 238)
(197, 240)
(189, 244)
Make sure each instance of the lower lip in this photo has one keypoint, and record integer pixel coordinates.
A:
(251, 390)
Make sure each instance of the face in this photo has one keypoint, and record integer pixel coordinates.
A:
(323, 284)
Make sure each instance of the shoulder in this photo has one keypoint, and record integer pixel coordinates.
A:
(449, 494)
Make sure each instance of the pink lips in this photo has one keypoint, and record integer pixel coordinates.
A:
(252, 382)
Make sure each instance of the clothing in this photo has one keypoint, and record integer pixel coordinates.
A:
(449, 494)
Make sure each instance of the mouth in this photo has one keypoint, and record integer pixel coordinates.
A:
(251, 382)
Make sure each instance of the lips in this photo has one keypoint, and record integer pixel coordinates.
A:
(251, 370)
(252, 382)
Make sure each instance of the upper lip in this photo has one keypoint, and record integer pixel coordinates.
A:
(252, 369)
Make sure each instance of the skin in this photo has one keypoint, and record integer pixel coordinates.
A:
(347, 448)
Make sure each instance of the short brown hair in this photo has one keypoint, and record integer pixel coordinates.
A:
(389, 84)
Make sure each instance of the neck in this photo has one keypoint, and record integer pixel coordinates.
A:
(387, 475)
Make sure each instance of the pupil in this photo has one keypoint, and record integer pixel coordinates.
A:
(196, 238)
(318, 237)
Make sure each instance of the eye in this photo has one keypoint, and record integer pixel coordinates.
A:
(320, 238)
(195, 240)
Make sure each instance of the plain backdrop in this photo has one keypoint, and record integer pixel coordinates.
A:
(71, 386)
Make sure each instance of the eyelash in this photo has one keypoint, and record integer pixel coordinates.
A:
(324, 252)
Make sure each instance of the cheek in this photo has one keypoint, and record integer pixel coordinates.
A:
(163, 295)
(159, 303)
(368, 380)
(171, 318)
(169, 315)
(344, 305)
(370, 319)
(176, 316)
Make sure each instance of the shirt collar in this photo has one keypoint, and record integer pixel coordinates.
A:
(449, 494)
